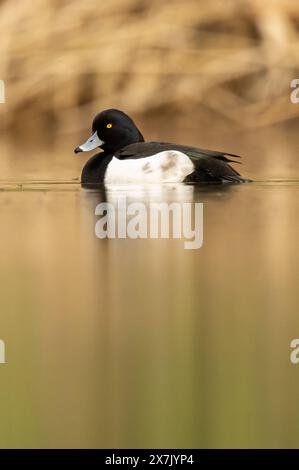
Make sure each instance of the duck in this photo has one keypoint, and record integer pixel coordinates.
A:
(127, 158)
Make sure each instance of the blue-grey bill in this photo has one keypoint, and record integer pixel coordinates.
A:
(92, 143)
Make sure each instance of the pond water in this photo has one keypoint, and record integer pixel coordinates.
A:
(142, 343)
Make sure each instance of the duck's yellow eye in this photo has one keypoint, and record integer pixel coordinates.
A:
(109, 125)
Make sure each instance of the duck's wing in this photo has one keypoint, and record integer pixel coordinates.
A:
(209, 165)
(212, 165)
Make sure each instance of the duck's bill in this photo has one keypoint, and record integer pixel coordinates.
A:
(92, 143)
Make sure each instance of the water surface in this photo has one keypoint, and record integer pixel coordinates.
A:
(140, 343)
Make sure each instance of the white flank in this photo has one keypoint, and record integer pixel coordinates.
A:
(169, 166)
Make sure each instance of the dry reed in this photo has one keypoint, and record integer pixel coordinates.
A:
(63, 59)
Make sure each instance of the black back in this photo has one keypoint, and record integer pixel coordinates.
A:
(210, 166)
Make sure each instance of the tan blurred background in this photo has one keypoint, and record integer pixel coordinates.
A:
(214, 74)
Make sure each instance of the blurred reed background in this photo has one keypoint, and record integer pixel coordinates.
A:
(199, 62)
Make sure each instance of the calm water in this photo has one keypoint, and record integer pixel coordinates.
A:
(140, 343)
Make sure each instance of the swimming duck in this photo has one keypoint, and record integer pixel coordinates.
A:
(127, 158)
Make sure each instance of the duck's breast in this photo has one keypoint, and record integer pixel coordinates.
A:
(170, 166)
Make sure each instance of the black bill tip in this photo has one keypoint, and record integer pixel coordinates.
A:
(78, 149)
